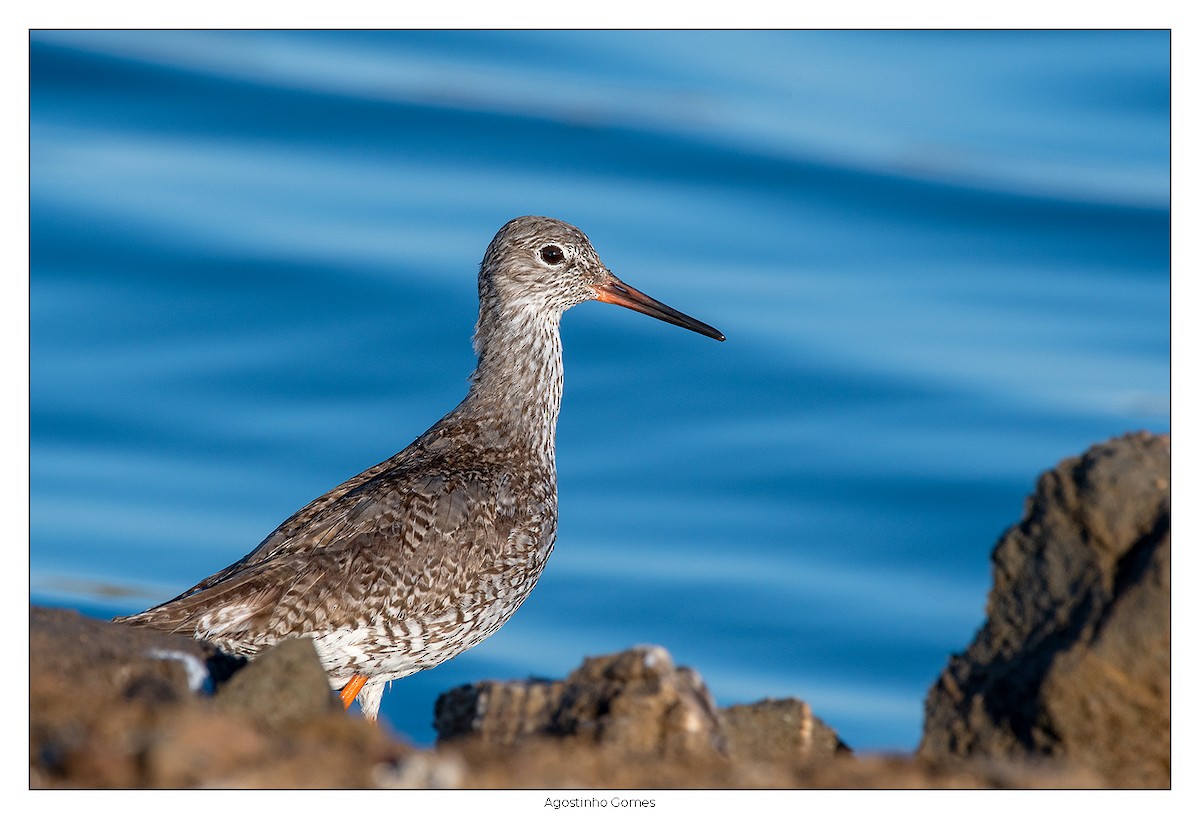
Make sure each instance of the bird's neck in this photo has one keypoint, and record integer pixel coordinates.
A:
(516, 389)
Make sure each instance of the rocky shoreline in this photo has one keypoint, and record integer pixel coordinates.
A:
(1067, 684)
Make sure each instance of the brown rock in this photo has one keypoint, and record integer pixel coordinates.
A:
(113, 706)
(133, 663)
(500, 713)
(285, 685)
(194, 747)
(1073, 662)
(782, 731)
(637, 700)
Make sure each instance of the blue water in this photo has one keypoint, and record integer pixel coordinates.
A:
(941, 260)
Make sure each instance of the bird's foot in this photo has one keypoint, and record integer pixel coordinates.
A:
(351, 689)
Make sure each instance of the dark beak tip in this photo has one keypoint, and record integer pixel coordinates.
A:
(621, 294)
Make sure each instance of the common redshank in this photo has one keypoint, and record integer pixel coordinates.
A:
(426, 554)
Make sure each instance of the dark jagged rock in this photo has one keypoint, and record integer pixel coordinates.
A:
(637, 699)
(632, 719)
(1073, 662)
(500, 713)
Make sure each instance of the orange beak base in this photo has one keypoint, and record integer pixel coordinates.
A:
(615, 291)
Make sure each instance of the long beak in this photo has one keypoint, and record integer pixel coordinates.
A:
(615, 291)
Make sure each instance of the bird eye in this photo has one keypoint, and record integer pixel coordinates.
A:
(552, 254)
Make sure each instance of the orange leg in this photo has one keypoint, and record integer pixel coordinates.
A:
(350, 691)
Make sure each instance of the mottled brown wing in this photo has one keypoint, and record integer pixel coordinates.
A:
(234, 610)
(405, 543)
